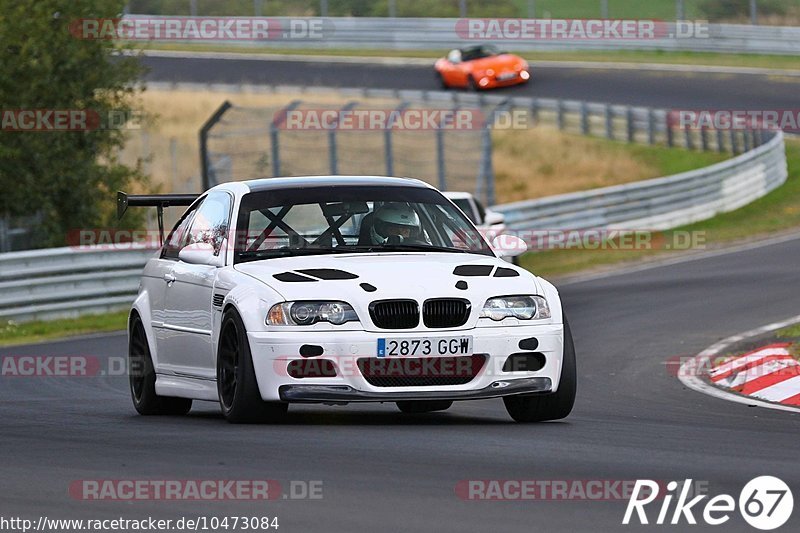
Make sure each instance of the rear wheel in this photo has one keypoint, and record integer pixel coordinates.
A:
(555, 405)
(237, 387)
(423, 406)
(472, 85)
(142, 377)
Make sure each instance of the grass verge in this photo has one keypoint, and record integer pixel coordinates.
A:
(779, 62)
(12, 333)
(790, 332)
(777, 211)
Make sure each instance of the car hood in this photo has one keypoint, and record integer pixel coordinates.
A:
(363, 278)
(498, 63)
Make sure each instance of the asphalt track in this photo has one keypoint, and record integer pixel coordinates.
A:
(656, 88)
(383, 471)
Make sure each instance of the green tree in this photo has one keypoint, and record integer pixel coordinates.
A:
(67, 177)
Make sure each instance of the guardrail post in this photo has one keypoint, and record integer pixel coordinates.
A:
(687, 135)
(440, 155)
(651, 126)
(758, 138)
(4, 246)
(274, 138)
(584, 118)
(670, 135)
(204, 131)
(720, 141)
(734, 143)
(747, 140)
(535, 109)
(609, 122)
(704, 138)
(487, 166)
(631, 125)
(560, 114)
(387, 140)
(333, 158)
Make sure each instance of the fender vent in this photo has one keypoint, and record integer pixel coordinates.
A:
(217, 300)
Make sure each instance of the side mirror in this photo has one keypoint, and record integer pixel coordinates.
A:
(200, 253)
(493, 218)
(509, 246)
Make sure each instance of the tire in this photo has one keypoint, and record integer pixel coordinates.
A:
(472, 85)
(142, 377)
(239, 396)
(552, 406)
(423, 406)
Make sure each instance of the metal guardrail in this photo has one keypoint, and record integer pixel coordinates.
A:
(65, 282)
(444, 33)
(660, 203)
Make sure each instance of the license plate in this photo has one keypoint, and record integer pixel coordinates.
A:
(424, 346)
(507, 76)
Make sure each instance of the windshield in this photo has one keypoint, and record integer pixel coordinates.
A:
(479, 52)
(351, 219)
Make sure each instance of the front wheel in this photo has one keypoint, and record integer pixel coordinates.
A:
(555, 405)
(237, 387)
(423, 406)
(142, 377)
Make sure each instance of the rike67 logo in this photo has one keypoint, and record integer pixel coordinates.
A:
(765, 503)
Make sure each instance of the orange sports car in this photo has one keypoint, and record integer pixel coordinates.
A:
(481, 67)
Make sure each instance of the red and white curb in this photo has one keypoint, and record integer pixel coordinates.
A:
(770, 373)
(768, 377)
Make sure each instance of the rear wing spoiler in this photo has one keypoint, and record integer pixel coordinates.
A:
(159, 201)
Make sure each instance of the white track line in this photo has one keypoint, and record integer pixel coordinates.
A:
(689, 378)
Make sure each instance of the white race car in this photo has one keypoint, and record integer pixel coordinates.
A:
(335, 290)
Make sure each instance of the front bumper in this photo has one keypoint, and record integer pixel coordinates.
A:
(273, 351)
(346, 393)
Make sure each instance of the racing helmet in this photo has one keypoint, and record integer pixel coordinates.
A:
(394, 223)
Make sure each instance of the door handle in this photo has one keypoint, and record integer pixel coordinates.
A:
(169, 278)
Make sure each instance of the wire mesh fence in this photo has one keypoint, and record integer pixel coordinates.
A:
(361, 137)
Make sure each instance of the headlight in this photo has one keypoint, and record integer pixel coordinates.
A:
(521, 307)
(308, 313)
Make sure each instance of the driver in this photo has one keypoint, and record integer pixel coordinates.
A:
(395, 224)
